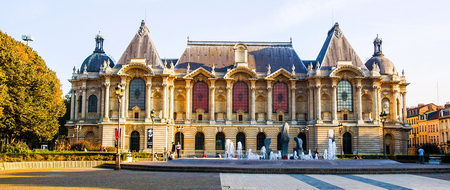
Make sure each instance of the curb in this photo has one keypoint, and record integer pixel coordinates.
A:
(50, 164)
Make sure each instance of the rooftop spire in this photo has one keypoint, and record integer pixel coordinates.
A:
(377, 46)
(99, 43)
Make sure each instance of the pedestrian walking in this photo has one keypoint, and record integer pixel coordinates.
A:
(421, 155)
(178, 149)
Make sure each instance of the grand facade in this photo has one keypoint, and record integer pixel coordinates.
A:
(242, 91)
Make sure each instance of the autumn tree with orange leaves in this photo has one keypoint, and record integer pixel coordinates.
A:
(30, 95)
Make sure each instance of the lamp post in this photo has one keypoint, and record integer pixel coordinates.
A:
(340, 125)
(152, 115)
(165, 149)
(383, 117)
(119, 92)
(77, 129)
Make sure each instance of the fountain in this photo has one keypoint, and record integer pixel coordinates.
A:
(239, 150)
(251, 156)
(263, 152)
(229, 149)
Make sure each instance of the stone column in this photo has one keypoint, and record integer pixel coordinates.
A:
(83, 100)
(311, 105)
(165, 103)
(101, 101)
(229, 98)
(319, 104)
(213, 102)
(72, 105)
(293, 113)
(253, 102)
(106, 116)
(171, 88)
(148, 103)
(76, 107)
(334, 101)
(375, 103)
(404, 108)
(269, 103)
(358, 88)
(188, 101)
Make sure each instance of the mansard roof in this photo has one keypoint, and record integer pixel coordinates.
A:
(337, 48)
(141, 46)
(221, 53)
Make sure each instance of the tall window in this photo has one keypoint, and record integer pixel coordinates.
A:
(137, 94)
(344, 96)
(92, 103)
(80, 104)
(199, 141)
(240, 96)
(200, 96)
(260, 140)
(240, 137)
(220, 141)
(280, 97)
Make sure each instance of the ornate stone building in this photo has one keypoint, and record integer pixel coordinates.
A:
(242, 91)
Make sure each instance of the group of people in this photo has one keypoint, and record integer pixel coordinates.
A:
(175, 147)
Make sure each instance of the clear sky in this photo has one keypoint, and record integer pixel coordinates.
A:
(415, 33)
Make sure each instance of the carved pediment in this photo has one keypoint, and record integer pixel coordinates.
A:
(200, 72)
(136, 109)
(230, 74)
(281, 73)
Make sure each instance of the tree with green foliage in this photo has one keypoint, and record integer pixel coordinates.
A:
(31, 97)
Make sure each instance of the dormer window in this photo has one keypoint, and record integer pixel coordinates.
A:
(240, 55)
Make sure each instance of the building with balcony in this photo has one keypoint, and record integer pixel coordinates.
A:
(444, 125)
(242, 91)
(416, 115)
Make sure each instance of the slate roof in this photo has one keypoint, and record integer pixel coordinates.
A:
(337, 48)
(141, 46)
(221, 54)
(94, 61)
(433, 115)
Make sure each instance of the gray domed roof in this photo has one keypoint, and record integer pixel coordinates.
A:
(94, 61)
(385, 65)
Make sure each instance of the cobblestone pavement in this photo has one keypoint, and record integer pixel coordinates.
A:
(96, 178)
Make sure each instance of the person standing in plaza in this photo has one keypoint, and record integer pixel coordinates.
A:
(421, 155)
(178, 149)
(173, 148)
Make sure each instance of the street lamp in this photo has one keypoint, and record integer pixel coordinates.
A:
(165, 149)
(153, 115)
(383, 117)
(119, 92)
(340, 125)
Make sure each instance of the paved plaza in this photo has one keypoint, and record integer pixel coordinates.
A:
(97, 178)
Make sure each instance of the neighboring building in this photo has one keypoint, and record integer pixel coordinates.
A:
(444, 125)
(242, 91)
(418, 133)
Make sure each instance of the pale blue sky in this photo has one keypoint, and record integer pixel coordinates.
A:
(415, 33)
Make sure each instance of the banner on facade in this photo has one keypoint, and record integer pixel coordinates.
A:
(149, 138)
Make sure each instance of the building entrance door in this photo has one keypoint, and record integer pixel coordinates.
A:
(347, 146)
(134, 141)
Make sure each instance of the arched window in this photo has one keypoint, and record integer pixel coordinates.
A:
(220, 141)
(386, 105)
(179, 139)
(280, 97)
(80, 104)
(344, 96)
(90, 136)
(134, 141)
(92, 103)
(240, 137)
(303, 137)
(200, 96)
(260, 140)
(279, 147)
(137, 94)
(240, 96)
(199, 141)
